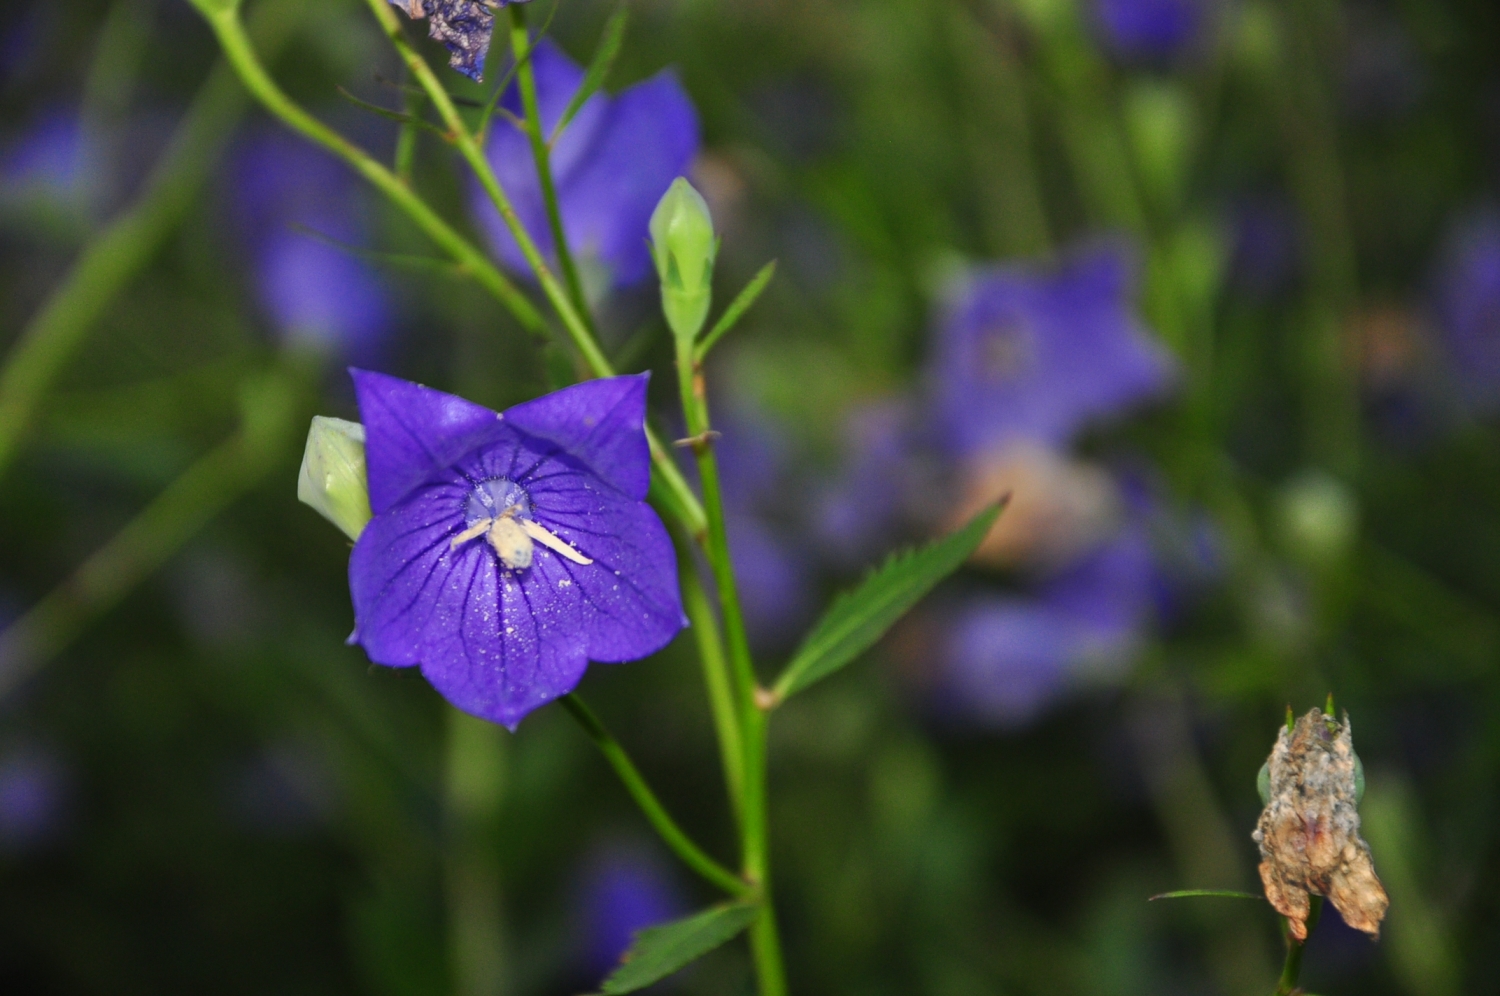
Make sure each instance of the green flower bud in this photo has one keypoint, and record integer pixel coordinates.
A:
(683, 246)
(332, 479)
(1319, 518)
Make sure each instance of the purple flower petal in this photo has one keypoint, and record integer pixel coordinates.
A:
(413, 432)
(611, 165)
(498, 641)
(1036, 354)
(601, 423)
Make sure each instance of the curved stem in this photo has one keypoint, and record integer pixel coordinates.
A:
(242, 57)
(691, 854)
(577, 329)
(520, 44)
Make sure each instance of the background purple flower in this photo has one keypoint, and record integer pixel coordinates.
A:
(622, 889)
(612, 164)
(1468, 308)
(497, 637)
(1036, 354)
(1005, 659)
(54, 165)
(761, 502)
(33, 797)
(286, 194)
(1150, 31)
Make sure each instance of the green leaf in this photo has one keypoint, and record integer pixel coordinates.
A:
(858, 618)
(604, 61)
(659, 951)
(737, 307)
(1220, 893)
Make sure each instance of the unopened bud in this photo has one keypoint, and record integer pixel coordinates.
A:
(683, 246)
(332, 479)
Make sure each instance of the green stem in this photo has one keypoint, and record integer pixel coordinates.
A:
(691, 854)
(520, 44)
(1292, 967)
(406, 142)
(241, 54)
(721, 702)
(124, 248)
(577, 330)
(765, 942)
(473, 796)
(172, 518)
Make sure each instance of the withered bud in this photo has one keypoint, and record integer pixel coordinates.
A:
(1309, 832)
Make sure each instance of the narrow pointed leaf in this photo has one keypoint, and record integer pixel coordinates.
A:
(860, 617)
(737, 307)
(659, 951)
(604, 61)
(400, 116)
(1219, 893)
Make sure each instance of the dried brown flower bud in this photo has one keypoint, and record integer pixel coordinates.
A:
(1309, 832)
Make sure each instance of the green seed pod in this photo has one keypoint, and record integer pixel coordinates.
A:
(332, 479)
(683, 246)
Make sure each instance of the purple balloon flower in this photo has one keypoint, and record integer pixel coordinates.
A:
(623, 890)
(611, 164)
(311, 291)
(1150, 31)
(508, 550)
(33, 797)
(1006, 659)
(55, 163)
(1026, 353)
(1468, 307)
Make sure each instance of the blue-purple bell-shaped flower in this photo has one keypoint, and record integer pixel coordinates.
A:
(611, 164)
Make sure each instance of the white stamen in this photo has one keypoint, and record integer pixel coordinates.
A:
(475, 531)
(539, 533)
(511, 542)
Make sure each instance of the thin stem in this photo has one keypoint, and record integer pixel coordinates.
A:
(721, 702)
(765, 942)
(242, 57)
(578, 332)
(1292, 967)
(691, 854)
(520, 44)
(406, 142)
(123, 249)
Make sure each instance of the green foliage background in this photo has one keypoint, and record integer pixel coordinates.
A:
(871, 146)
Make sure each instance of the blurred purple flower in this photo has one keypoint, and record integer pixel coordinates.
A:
(1006, 659)
(33, 797)
(286, 194)
(1150, 31)
(859, 514)
(1027, 353)
(611, 164)
(54, 164)
(508, 550)
(1266, 247)
(463, 26)
(623, 890)
(771, 565)
(1468, 308)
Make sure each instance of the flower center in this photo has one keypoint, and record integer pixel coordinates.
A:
(493, 498)
(500, 510)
